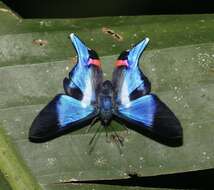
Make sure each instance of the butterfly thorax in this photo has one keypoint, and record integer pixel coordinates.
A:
(105, 103)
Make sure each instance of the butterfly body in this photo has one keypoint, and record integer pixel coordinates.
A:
(126, 99)
(106, 104)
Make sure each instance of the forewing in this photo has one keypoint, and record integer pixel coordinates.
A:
(128, 80)
(77, 108)
(150, 113)
(86, 76)
(62, 114)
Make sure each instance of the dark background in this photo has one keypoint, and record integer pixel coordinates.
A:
(94, 8)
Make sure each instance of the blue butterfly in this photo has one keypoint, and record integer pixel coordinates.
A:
(126, 99)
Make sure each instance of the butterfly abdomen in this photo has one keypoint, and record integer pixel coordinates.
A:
(105, 103)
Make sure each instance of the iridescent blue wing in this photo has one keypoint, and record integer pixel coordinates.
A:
(150, 113)
(86, 76)
(128, 80)
(135, 106)
(61, 115)
(79, 106)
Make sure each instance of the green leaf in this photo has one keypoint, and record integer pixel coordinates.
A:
(179, 63)
(4, 183)
(10, 162)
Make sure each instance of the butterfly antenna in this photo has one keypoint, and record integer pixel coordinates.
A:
(98, 131)
(95, 134)
(92, 124)
(107, 136)
(118, 138)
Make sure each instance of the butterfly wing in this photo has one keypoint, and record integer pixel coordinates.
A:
(61, 115)
(86, 76)
(129, 82)
(135, 106)
(150, 113)
(76, 108)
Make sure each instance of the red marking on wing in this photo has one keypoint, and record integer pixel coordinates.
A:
(120, 62)
(95, 62)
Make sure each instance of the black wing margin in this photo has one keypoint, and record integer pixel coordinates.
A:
(136, 107)
(78, 106)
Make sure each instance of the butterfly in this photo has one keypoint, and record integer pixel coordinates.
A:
(87, 98)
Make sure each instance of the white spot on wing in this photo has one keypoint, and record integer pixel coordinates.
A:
(125, 95)
(87, 94)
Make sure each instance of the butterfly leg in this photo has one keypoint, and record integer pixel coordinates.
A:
(94, 136)
(92, 124)
(117, 138)
(107, 135)
(94, 139)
